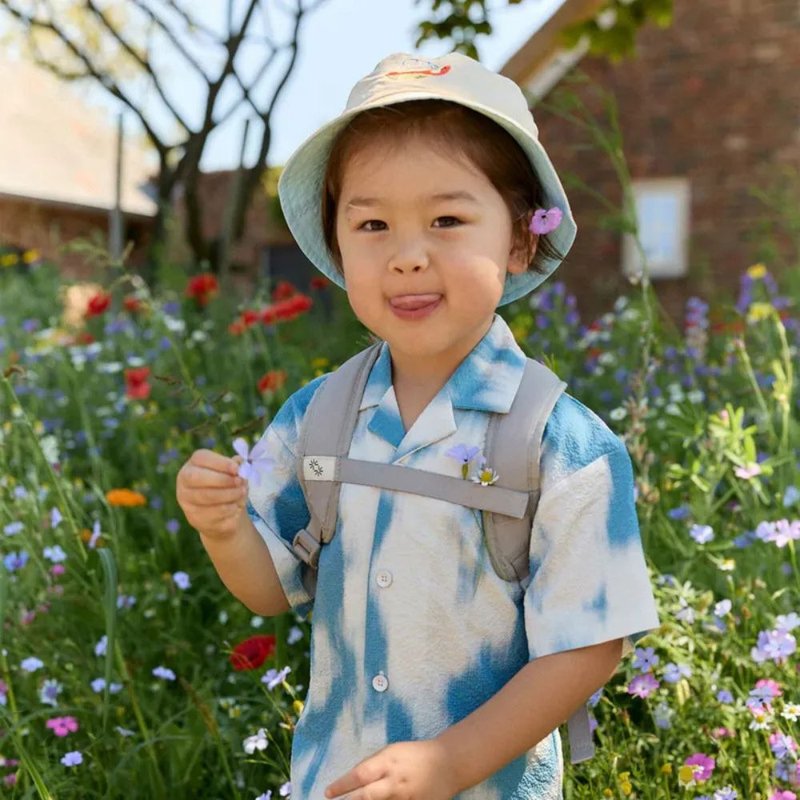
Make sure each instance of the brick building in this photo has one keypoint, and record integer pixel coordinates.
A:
(57, 170)
(708, 109)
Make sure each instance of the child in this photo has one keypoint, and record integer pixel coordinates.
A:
(432, 202)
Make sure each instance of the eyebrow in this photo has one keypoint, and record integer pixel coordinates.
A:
(371, 202)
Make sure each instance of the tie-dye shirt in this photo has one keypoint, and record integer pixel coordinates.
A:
(412, 629)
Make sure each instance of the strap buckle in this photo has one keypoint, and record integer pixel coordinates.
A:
(307, 547)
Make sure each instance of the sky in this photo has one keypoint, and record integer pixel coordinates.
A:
(341, 42)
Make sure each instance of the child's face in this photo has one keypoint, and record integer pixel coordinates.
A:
(423, 273)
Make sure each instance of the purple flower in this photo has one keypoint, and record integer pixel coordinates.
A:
(273, 678)
(182, 580)
(782, 745)
(701, 533)
(724, 696)
(680, 512)
(643, 685)
(545, 221)
(72, 759)
(775, 644)
(725, 793)
(645, 658)
(463, 454)
(787, 622)
(255, 462)
(31, 664)
(286, 789)
(49, 691)
(674, 672)
(704, 765)
(164, 672)
(15, 561)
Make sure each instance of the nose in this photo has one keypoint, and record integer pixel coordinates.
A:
(410, 255)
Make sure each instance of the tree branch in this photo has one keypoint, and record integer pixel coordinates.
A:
(142, 62)
(107, 82)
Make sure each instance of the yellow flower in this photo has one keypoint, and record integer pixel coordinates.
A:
(757, 271)
(29, 256)
(319, 363)
(608, 793)
(760, 311)
(9, 260)
(666, 769)
(686, 774)
(125, 497)
(626, 788)
(298, 707)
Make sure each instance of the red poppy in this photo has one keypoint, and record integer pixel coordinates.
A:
(136, 385)
(202, 288)
(293, 307)
(132, 304)
(319, 282)
(253, 652)
(283, 291)
(272, 381)
(98, 304)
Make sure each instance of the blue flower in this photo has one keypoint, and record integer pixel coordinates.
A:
(15, 561)
(463, 454)
(181, 580)
(164, 672)
(791, 496)
(702, 534)
(72, 759)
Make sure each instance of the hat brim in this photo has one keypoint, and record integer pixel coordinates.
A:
(300, 192)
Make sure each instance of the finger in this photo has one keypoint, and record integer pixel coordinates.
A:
(216, 497)
(196, 477)
(361, 775)
(208, 459)
(379, 790)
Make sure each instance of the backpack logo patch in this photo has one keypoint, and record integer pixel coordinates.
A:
(319, 468)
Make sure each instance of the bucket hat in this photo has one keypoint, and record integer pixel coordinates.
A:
(399, 78)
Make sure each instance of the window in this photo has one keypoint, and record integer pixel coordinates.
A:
(662, 211)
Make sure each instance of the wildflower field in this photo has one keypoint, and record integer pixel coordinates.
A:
(126, 668)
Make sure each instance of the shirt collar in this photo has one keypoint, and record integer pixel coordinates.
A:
(486, 380)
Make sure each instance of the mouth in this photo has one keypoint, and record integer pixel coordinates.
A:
(414, 306)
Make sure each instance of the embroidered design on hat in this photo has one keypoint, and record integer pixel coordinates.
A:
(419, 68)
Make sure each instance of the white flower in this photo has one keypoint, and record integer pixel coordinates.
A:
(791, 711)
(257, 742)
(486, 475)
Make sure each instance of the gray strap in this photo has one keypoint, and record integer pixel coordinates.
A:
(508, 539)
(416, 481)
(328, 429)
(581, 746)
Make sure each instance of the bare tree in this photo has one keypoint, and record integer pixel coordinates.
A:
(117, 44)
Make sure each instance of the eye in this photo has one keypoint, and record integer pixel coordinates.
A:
(451, 222)
(366, 226)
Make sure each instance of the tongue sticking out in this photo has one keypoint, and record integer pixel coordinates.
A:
(412, 302)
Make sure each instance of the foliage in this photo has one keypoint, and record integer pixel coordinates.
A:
(610, 32)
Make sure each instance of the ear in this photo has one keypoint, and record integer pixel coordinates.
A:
(518, 261)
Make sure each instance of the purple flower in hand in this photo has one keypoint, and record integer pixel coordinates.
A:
(545, 221)
(255, 462)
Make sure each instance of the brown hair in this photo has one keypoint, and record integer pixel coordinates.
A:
(452, 129)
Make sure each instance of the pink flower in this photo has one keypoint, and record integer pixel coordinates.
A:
(643, 685)
(770, 687)
(62, 726)
(58, 569)
(546, 221)
(704, 765)
(750, 471)
(722, 733)
(783, 795)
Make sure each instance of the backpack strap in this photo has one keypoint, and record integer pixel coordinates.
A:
(327, 429)
(508, 538)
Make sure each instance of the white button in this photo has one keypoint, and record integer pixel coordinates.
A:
(380, 683)
(383, 578)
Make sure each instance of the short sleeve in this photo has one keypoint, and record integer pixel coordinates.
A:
(588, 577)
(276, 505)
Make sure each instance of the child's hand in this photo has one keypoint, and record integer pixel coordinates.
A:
(211, 494)
(401, 771)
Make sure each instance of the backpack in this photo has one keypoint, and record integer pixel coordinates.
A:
(508, 506)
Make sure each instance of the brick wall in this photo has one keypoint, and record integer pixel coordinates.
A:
(48, 227)
(715, 98)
